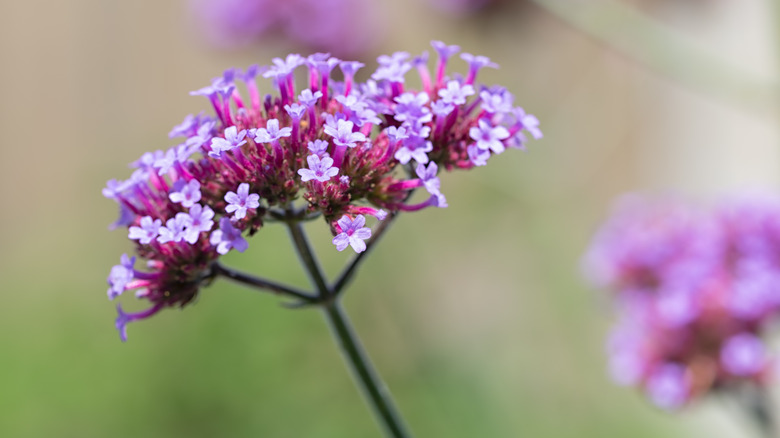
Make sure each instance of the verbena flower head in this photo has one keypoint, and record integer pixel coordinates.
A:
(347, 150)
(695, 291)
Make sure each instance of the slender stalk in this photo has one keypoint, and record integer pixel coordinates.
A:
(364, 375)
(371, 386)
(261, 283)
(759, 406)
(308, 258)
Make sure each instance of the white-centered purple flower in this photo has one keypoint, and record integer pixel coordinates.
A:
(309, 99)
(174, 229)
(478, 156)
(185, 193)
(743, 355)
(412, 107)
(530, 123)
(284, 67)
(393, 72)
(668, 386)
(428, 177)
(320, 169)
(271, 132)
(497, 101)
(396, 133)
(442, 108)
(296, 111)
(200, 221)
(489, 137)
(228, 237)
(353, 233)
(233, 139)
(319, 148)
(120, 276)
(241, 200)
(456, 93)
(148, 230)
(416, 148)
(444, 51)
(342, 133)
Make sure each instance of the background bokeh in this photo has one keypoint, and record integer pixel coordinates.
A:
(477, 316)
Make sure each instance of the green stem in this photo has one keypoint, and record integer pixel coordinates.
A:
(364, 375)
(371, 386)
(261, 283)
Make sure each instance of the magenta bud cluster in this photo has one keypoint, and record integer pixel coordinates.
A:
(695, 290)
(346, 149)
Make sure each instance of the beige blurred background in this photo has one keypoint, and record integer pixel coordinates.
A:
(477, 315)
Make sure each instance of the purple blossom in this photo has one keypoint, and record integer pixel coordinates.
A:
(411, 106)
(319, 148)
(200, 221)
(395, 58)
(203, 136)
(444, 51)
(147, 232)
(271, 132)
(120, 276)
(296, 111)
(416, 148)
(456, 93)
(668, 386)
(353, 233)
(174, 229)
(342, 133)
(284, 67)
(529, 122)
(125, 318)
(475, 64)
(233, 139)
(349, 68)
(396, 133)
(309, 99)
(428, 177)
(393, 72)
(241, 201)
(185, 193)
(186, 128)
(321, 170)
(497, 101)
(228, 237)
(743, 355)
(489, 137)
(478, 156)
(442, 108)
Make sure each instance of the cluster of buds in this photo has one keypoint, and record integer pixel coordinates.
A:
(350, 150)
(695, 291)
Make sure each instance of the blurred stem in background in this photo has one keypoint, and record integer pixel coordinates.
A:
(641, 39)
(327, 297)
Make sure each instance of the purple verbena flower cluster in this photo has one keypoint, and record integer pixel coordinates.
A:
(695, 291)
(348, 149)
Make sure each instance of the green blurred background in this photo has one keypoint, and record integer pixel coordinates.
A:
(476, 316)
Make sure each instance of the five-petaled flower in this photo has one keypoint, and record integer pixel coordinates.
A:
(353, 233)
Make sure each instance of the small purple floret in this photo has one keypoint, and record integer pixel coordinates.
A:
(174, 229)
(428, 177)
(489, 137)
(228, 237)
(320, 169)
(120, 276)
(342, 133)
(233, 139)
(319, 148)
(147, 232)
(200, 221)
(271, 132)
(743, 355)
(353, 233)
(456, 93)
(241, 201)
(186, 193)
